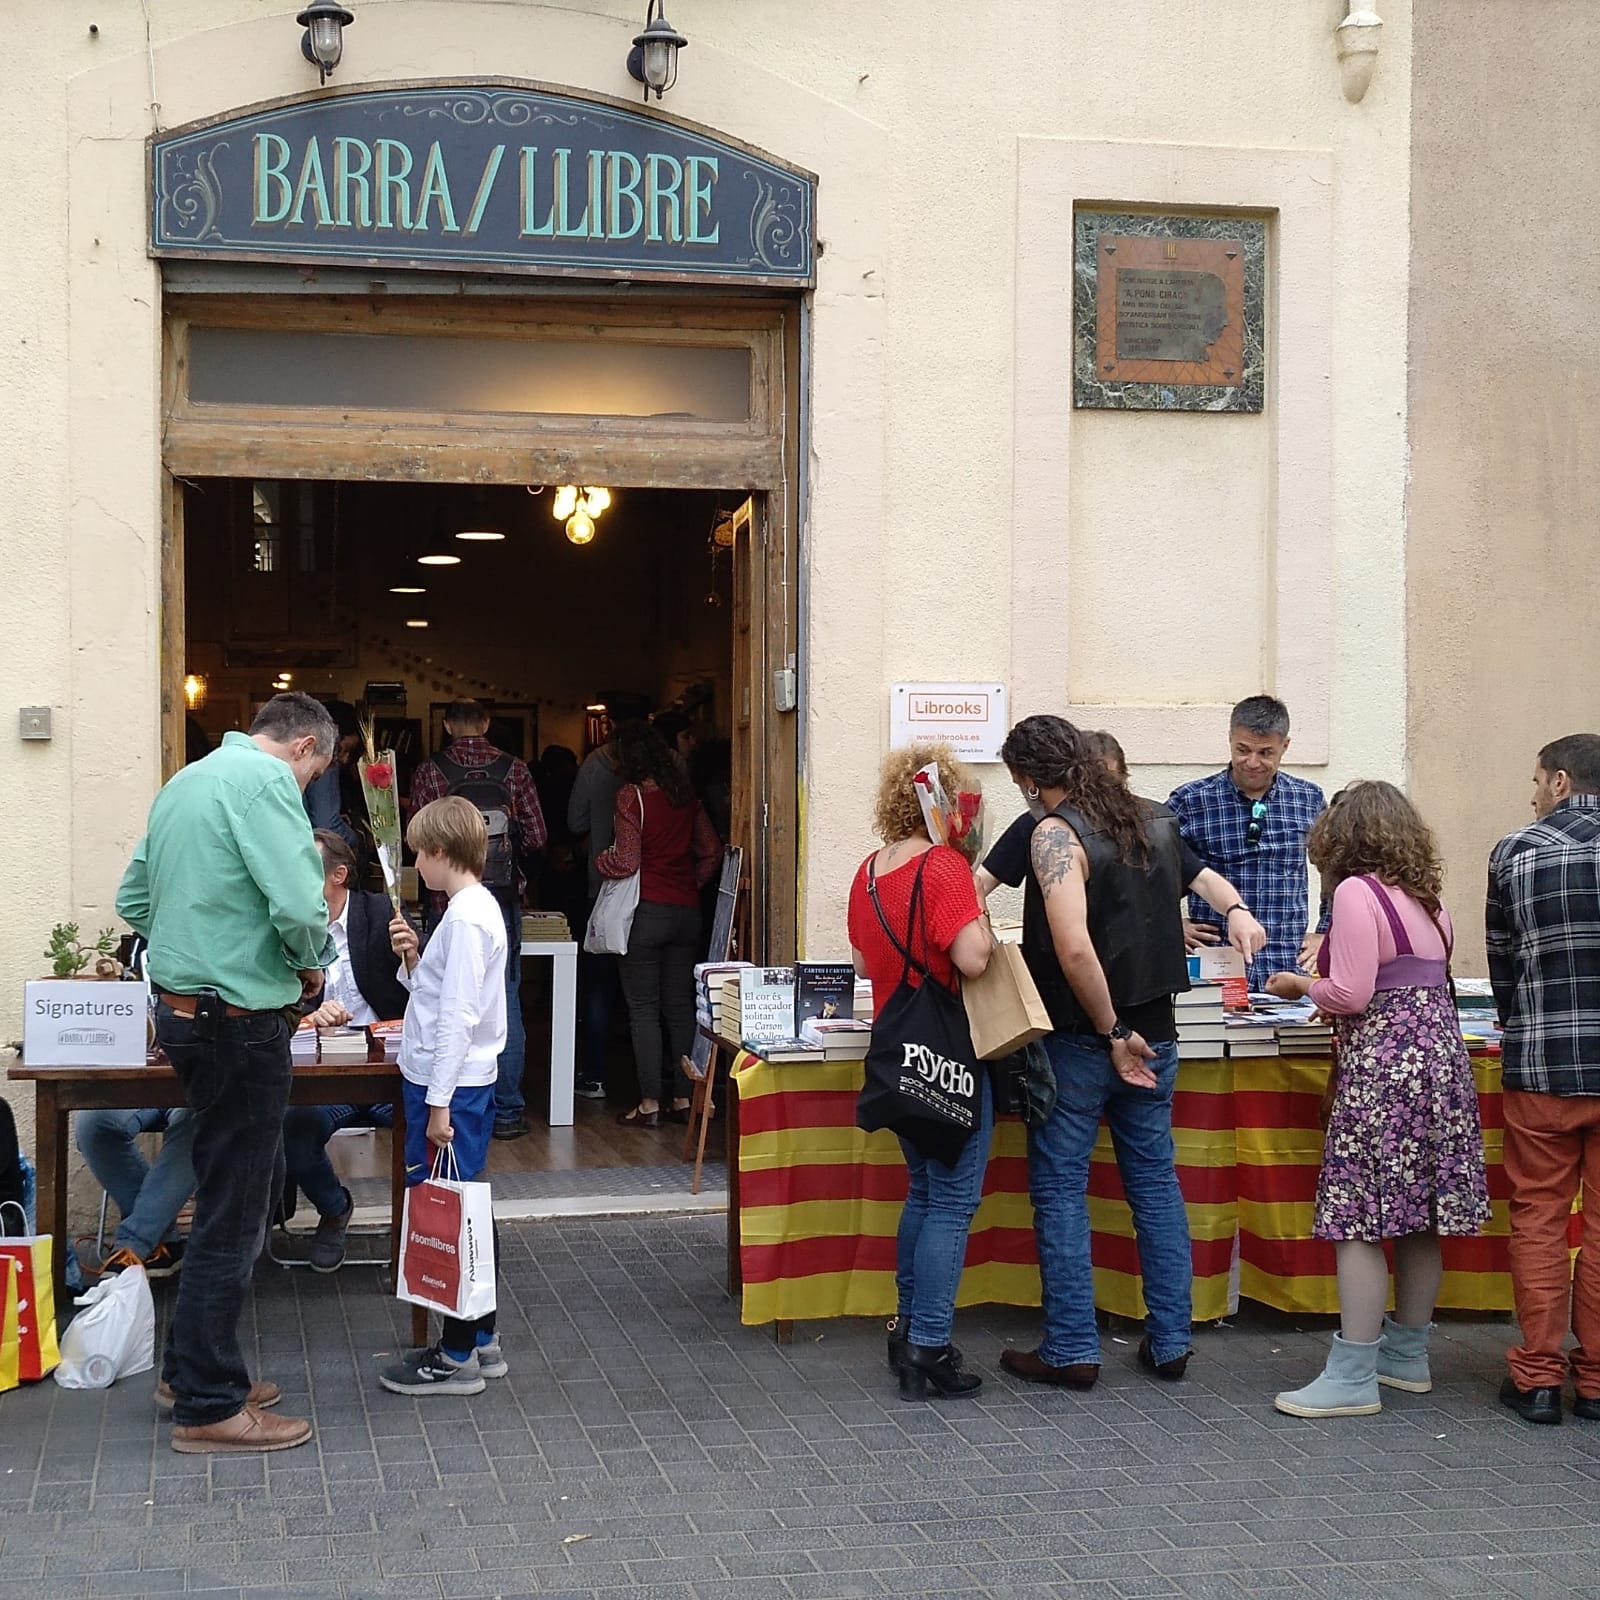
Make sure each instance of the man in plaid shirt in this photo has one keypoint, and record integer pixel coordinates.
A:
(1249, 822)
(1543, 934)
(467, 723)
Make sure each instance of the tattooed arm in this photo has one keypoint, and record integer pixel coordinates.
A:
(1059, 865)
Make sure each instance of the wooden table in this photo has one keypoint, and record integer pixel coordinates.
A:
(62, 1090)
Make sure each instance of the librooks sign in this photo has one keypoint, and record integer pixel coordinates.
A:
(484, 177)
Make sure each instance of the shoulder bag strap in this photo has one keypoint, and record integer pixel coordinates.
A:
(911, 962)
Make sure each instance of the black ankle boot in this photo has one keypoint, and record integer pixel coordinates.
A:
(935, 1369)
(898, 1333)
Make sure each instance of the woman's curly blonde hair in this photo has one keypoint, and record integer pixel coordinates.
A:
(897, 814)
(1372, 828)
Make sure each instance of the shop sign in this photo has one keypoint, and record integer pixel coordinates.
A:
(969, 717)
(480, 177)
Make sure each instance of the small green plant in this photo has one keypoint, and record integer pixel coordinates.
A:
(68, 955)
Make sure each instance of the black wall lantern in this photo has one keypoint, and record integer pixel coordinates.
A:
(323, 41)
(653, 61)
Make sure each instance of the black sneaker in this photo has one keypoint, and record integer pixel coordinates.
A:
(327, 1243)
(516, 1128)
(590, 1091)
(433, 1372)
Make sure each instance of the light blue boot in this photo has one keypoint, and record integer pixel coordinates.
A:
(1403, 1357)
(1347, 1387)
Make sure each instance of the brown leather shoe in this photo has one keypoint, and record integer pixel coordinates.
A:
(246, 1432)
(262, 1394)
(1171, 1370)
(1032, 1368)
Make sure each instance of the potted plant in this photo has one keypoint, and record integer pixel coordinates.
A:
(69, 954)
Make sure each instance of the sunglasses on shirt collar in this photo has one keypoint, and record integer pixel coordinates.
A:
(1258, 818)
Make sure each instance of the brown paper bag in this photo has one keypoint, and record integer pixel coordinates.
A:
(1003, 1006)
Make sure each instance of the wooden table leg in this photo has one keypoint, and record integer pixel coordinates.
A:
(783, 1331)
(51, 1132)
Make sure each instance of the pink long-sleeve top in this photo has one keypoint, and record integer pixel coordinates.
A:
(1360, 941)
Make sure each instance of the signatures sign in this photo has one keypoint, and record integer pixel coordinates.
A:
(480, 177)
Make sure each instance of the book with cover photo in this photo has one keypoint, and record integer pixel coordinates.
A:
(825, 989)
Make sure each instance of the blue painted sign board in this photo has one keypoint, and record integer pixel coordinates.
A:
(480, 177)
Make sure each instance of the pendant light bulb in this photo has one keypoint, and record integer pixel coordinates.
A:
(565, 503)
(580, 527)
(596, 500)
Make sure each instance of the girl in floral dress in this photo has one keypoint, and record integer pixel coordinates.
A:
(1403, 1159)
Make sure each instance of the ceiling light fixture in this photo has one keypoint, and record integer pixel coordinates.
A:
(578, 507)
(480, 535)
(194, 691)
(438, 558)
(416, 622)
(322, 44)
(653, 61)
(407, 588)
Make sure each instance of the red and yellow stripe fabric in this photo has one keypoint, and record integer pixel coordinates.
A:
(820, 1200)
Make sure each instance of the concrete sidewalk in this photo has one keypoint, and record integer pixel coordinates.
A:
(645, 1443)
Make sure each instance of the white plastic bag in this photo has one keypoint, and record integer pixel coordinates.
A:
(113, 1335)
(611, 921)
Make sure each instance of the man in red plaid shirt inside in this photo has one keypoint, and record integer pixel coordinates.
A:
(469, 765)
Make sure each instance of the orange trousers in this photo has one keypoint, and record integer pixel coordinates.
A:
(1552, 1145)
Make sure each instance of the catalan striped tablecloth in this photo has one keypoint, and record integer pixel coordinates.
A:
(819, 1201)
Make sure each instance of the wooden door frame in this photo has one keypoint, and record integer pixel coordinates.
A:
(759, 457)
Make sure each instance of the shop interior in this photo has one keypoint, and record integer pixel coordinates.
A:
(563, 607)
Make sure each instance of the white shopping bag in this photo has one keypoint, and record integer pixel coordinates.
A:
(611, 921)
(447, 1244)
(113, 1335)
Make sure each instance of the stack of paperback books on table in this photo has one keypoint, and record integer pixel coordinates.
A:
(545, 927)
(709, 979)
(1202, 1029)
(342, 1044)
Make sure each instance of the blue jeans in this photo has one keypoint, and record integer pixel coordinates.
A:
(148, 1195)
(931, 1245)
(508, 1101)
(237, 1085)
(1087, 1089)
(306, 1132)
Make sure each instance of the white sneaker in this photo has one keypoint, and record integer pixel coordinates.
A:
(491, 1361)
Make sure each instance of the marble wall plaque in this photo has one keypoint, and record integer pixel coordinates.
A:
(1169, 312)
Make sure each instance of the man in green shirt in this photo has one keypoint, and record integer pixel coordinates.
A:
(227, 886)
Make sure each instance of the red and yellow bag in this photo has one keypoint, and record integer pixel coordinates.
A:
(35, 1310)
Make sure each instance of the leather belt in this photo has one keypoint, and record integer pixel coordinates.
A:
(184, 1005)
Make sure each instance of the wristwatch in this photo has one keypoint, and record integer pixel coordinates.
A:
(1238, 905)
(1119, 1030)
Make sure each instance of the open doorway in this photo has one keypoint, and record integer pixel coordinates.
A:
(397, 599)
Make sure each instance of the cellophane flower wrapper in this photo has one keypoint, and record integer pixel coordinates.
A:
(956, 820)
(383, 812)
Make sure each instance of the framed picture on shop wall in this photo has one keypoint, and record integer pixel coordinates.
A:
(512, 728)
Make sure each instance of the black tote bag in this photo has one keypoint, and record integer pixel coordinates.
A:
(922, 1072)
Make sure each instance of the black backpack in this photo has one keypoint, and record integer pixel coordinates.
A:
(488, 788)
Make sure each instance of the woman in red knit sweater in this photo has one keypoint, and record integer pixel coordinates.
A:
(664, 836)
(949, 935)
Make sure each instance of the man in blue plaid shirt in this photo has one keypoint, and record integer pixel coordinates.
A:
(1249, 822)
(1543, 936)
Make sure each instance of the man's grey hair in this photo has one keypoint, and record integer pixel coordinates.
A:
(287, 717)
(1261, 715)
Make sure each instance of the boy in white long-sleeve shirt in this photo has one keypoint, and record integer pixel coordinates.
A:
(455, 1029)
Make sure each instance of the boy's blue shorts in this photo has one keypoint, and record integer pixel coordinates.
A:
(472, 1117)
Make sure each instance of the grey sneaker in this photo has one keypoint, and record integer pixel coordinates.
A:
(589, 1091)
(327, 1243)
(491, 1361)
(433, 1372)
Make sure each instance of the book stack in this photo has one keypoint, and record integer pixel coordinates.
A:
(1222, 965)
(545, 927)
(342, 1044)
(765, 1020)
(1202, 1028)
(1250, 1033)
(709, 980)
(1303, 1037)
(838, 1038)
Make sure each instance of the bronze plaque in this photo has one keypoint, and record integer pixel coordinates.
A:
(1168, 316)
(1169, 312)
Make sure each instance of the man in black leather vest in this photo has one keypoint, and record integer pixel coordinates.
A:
(1103, 938)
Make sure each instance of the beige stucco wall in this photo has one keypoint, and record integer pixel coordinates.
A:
(1176, 540)
(1505, 401)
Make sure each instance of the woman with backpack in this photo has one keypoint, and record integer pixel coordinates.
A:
(663, 835)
